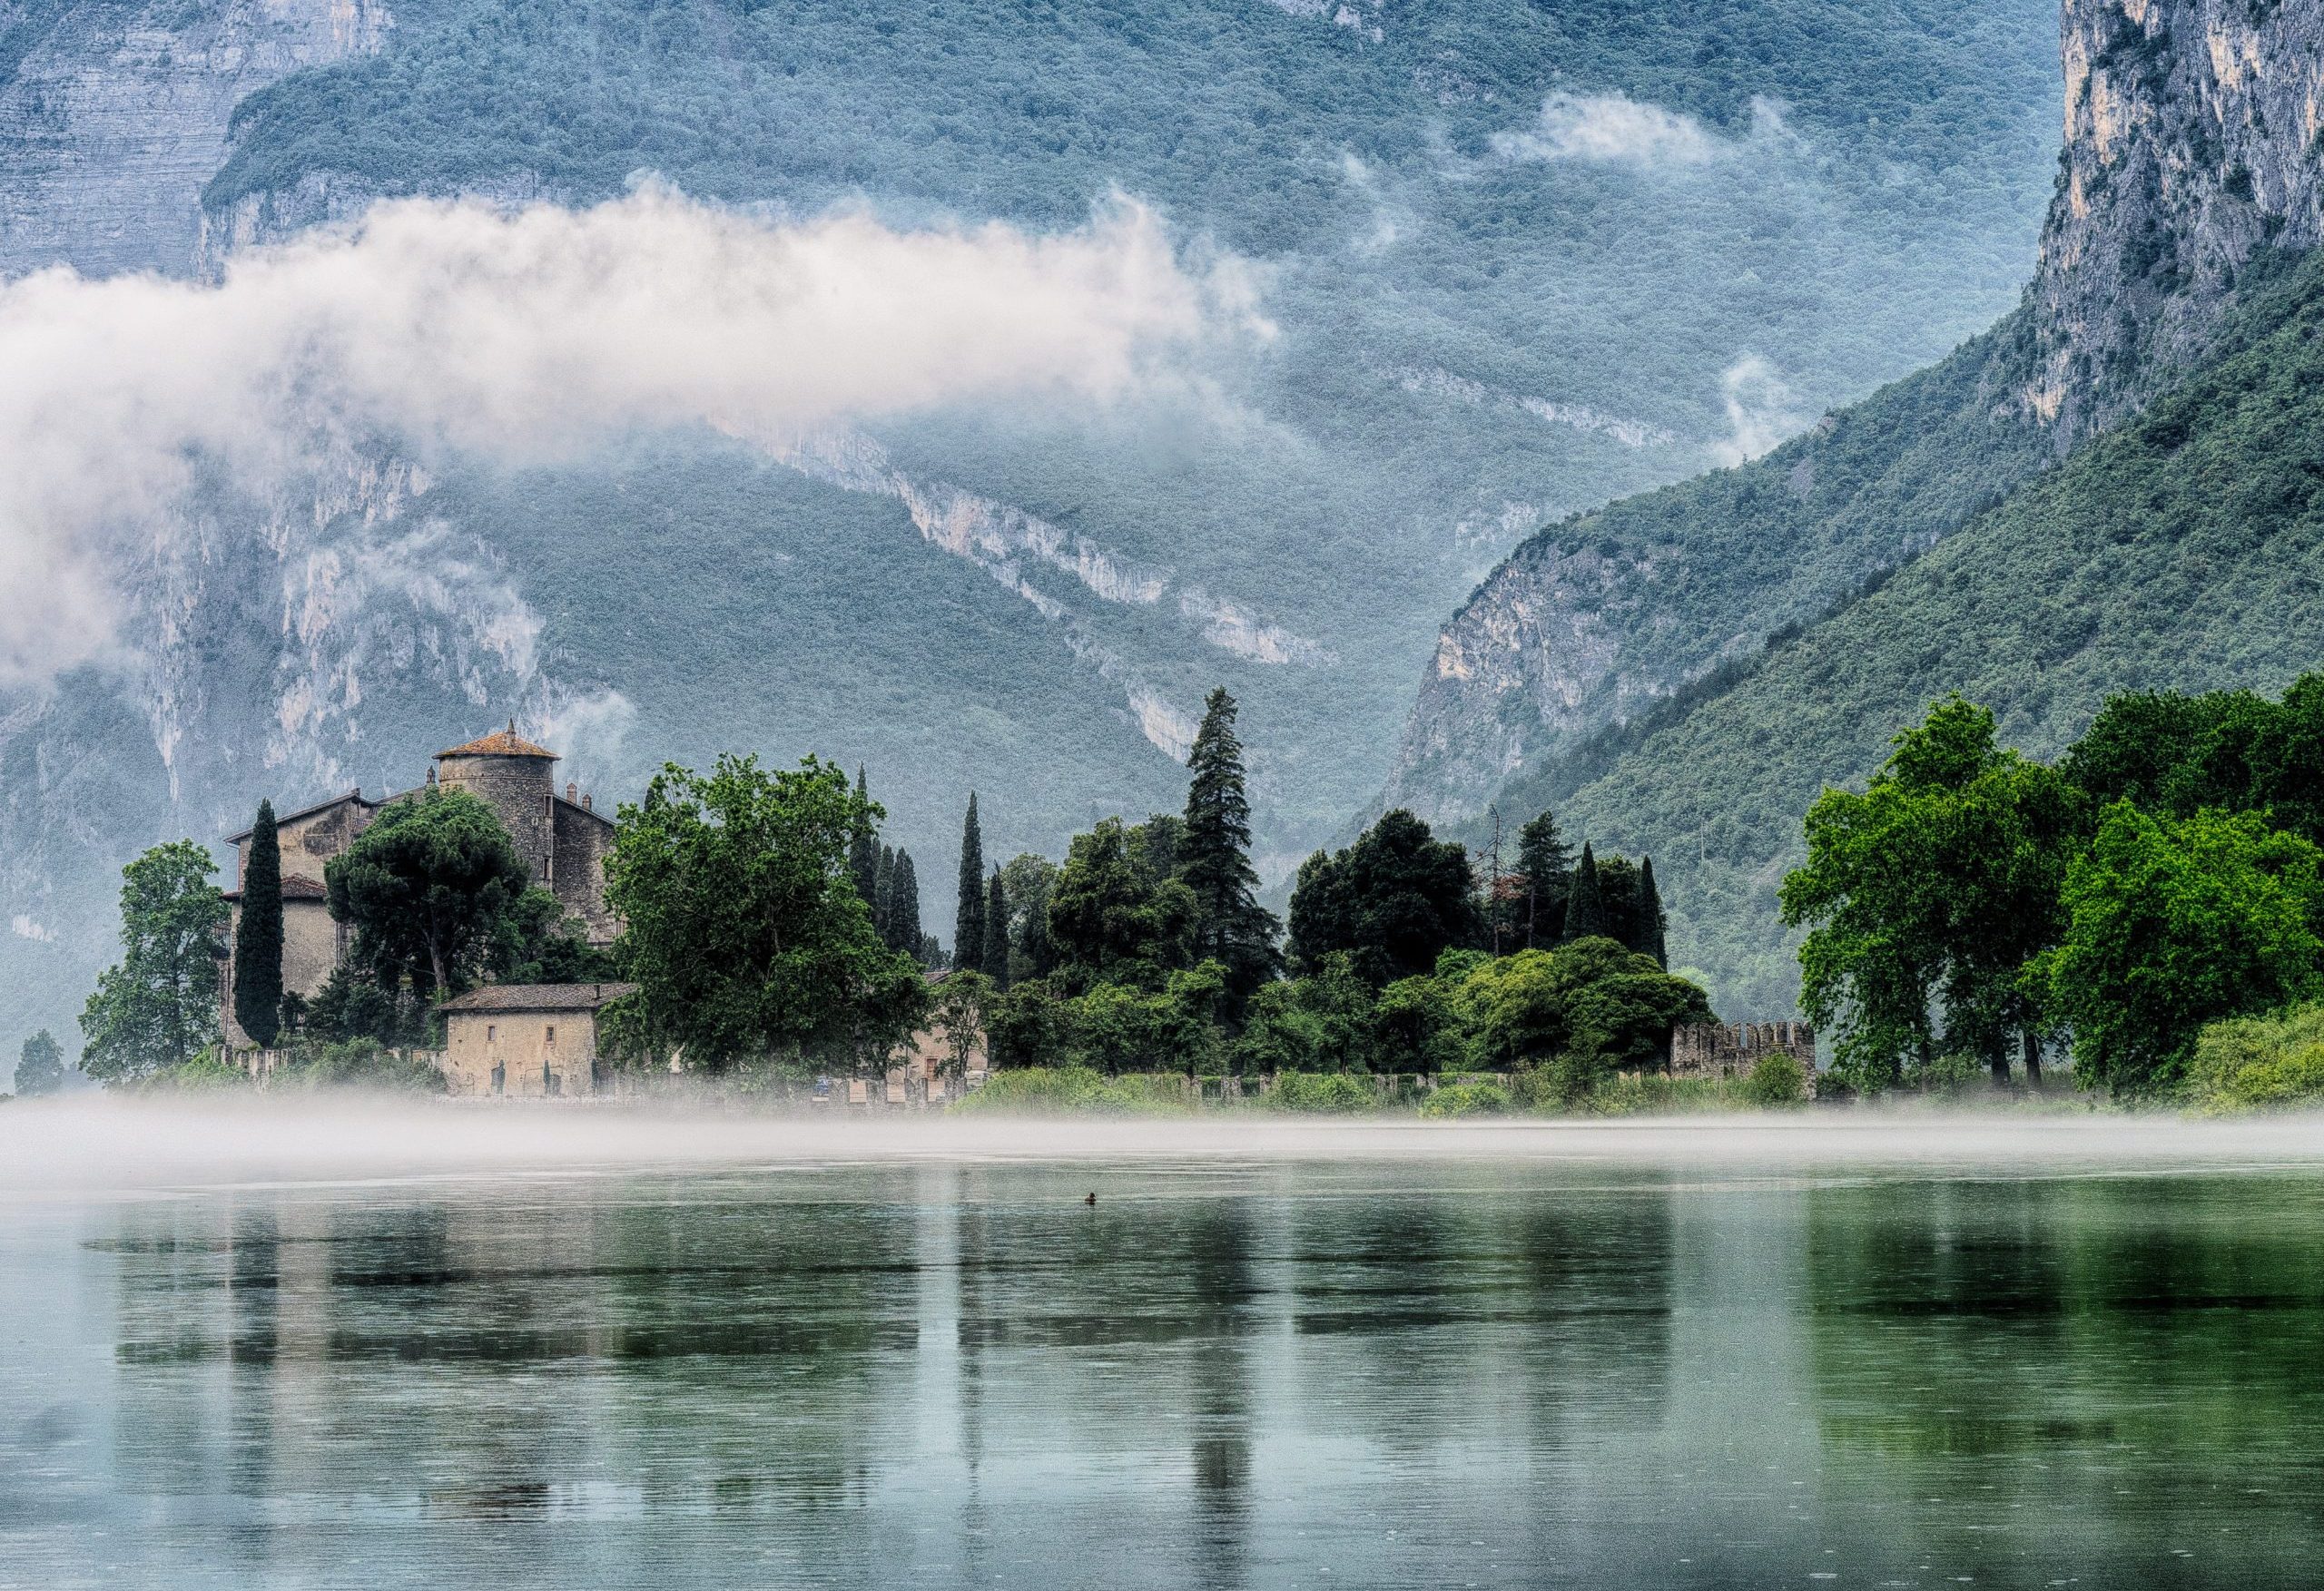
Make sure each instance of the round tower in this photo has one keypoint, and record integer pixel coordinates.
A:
(517, 780)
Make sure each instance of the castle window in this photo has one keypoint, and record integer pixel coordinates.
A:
(490, 1033)
(552, 1034)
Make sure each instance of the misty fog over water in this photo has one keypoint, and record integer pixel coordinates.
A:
(434, 1346)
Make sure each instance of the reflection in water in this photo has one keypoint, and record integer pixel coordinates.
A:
(1217, 1376)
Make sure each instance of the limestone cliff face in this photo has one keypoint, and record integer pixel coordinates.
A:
(114, 115)
(2193, 155)
(2191, 131)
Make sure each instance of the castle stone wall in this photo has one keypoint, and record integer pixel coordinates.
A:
(518, 790)
(1724, 1049)
(582, 840)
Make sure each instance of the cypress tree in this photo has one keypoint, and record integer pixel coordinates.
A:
(994, 959)
(1214, 855)
(1651, 920)
(883, 881)
(968, 924)
(258, 937)
(1585, 910)
(903, 907)
(1040, 957)
(864, 848)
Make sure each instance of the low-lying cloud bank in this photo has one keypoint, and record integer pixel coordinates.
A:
(529, 337)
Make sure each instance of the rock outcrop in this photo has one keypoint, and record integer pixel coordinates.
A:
(2192, 152)
(115, 116)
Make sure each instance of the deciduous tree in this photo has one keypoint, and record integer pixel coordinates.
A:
(157, 1008)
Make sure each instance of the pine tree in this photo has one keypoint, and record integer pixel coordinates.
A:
(903, 907)
(994, 959)
(883, 880)
(1652, 924)
(968, 924)
(1585, 910)
(864, 847)
(1214, 856)
(1545, 863)
(258, 937)
(1040, 956)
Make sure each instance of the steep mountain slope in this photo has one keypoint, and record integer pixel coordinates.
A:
(2178, 551)
(2181, 550)
(1520, 257)
(2190, 150)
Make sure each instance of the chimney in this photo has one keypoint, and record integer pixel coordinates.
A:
(588, 803)
(431, 774)
(569, 796)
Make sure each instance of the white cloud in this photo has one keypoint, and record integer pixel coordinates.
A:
(1615, 129)
(1762, 410)
(24, 926)
(531, 336)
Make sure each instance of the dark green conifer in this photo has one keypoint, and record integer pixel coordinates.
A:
(1214, 856)
(995, 959)
(1545, 867)
(968, 922)
(884, 879)
(1651, 923)
(903, 907)
(1585, 912)
(1040, 956)
(257, 936)
(864, 848)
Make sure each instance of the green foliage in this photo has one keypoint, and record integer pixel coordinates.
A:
(157, 1008)
(1590, 999)
(1928, 895)
(742, 927)
(2261, 1063)
(1068, 1090)
(1545, 876)
(351, 1005)
(2172, 923)
(992, 956)
(1585, 906)
(40, 1067)
(1467, 1099)
(258, 935)
(1775, 1080)
(424, 889)
(1393, 902)
(1321, 1093)
(1319, 1023)
(206, 1073)
(362, 1064)
(1113, 916)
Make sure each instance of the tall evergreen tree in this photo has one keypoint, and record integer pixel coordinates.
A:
(1618, 899)
(1214, 858)
(883, 881)
(40, 1065)
(1651, 923)
(1585, 909)
(968, 922)
(903, 907)
(257, 936)
(994, 961)
(864, 846)
(1033, 944)
(1545, 863)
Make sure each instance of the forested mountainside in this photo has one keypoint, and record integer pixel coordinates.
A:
(2179, 551)
(1517, 258)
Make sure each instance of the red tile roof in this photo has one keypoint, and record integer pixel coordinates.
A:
(501, 742)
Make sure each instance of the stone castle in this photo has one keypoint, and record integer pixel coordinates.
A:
(563, 839)
(1722, 1049)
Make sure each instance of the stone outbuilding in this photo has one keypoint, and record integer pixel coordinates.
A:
(526, 1039)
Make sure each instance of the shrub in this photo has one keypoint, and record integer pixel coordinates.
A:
(1062, 1091)
(363, 1063)
(203, 1074)
(1468, 1099)
(1777, 1080)
(2261, 1063)
(1952, 1075)
(1321, 1093)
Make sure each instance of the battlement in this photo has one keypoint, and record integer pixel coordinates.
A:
(1726, 1049)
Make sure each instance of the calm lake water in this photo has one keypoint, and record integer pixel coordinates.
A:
(1464, 1373)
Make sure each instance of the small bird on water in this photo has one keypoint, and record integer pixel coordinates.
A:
(1092, 1199)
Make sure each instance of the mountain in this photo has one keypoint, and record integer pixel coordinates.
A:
(1518, 258)
(1690, 704)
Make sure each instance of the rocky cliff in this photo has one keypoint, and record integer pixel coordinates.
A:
(2192, 132)
(2191, 167)
(115, 116)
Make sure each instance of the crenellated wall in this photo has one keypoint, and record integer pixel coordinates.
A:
(1724, 1049)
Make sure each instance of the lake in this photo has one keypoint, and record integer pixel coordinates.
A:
(1496, 1359)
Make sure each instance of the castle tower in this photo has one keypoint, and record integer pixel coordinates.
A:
(515, 779)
